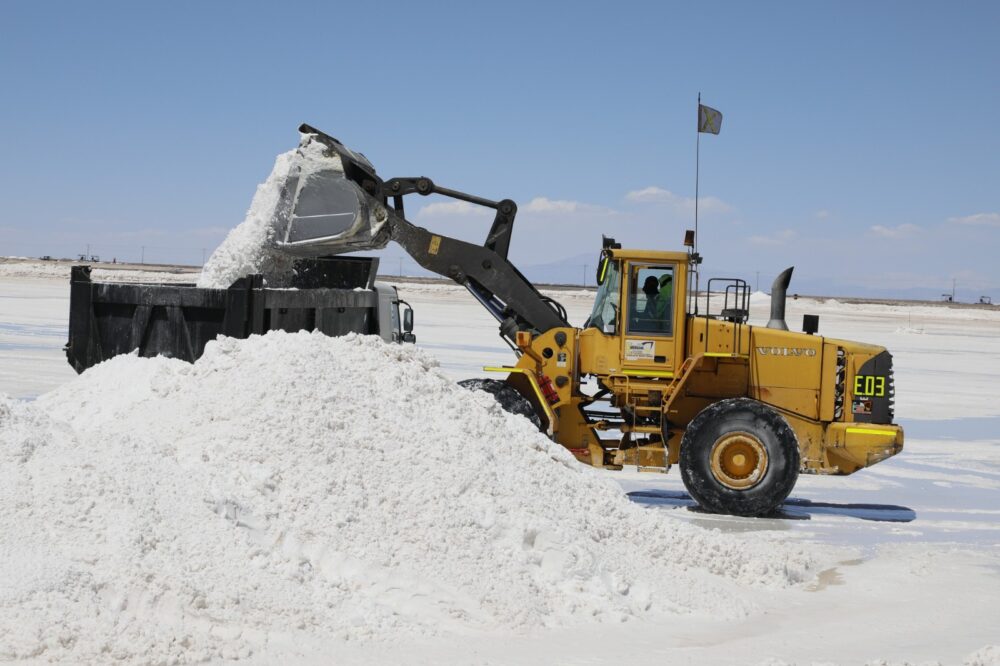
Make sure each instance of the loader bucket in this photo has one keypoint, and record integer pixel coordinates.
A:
(324, 209)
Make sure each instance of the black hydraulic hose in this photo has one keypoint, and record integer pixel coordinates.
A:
(557, 306)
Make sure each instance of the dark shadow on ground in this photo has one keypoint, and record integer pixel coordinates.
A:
(792, 509)
(883, 513)
(673, 498)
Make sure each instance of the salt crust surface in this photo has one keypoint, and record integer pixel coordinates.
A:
(296, 486)
(250, 247)
(61, 271)
(988, 655)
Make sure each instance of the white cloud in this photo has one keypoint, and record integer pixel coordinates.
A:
(454, 208)
(899, 231)
(536, 205)
(979, 219)
(658, 195)
(779, 238)
(651, 194)
(823, 214)
(546, 205)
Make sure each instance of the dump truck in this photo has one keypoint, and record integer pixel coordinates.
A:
(335, 295)
(660, 374)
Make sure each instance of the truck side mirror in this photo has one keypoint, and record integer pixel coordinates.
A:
(407, 318)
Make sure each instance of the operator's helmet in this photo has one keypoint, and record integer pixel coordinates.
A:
(651, 286)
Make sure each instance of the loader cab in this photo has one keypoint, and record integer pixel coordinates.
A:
(639, 311)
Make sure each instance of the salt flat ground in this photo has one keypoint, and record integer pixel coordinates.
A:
(917, 537)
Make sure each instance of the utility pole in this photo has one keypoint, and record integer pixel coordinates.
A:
(202, 256)
(585, 275)
(400, 268)
(953, 290)
(142, 258)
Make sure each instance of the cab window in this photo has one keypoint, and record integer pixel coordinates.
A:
(651, 299)
(605, 313)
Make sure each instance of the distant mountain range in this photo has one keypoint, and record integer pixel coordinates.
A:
(581, 270)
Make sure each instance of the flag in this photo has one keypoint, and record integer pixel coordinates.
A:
(709, 120)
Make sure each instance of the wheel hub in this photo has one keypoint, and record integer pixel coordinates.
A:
(739, 460)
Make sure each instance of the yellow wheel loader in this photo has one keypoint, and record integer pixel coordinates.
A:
(659, 374)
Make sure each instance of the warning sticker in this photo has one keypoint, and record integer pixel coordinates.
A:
(640, 350)
(435, 245)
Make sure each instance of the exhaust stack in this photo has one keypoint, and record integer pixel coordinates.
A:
(778, 292)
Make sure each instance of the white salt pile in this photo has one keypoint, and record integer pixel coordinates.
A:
(250, 247)
(297, 488)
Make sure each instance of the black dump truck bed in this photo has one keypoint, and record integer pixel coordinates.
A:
(335, 296)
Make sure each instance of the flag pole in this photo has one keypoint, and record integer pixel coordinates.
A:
(697, 171)
(697, 174)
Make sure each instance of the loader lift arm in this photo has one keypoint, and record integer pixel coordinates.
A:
(482, 269)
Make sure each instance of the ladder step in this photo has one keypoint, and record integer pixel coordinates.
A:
(646, 429)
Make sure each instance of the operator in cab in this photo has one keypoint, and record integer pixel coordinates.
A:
(659, 292)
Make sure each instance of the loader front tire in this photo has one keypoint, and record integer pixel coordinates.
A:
(510, 400)
(739, 457)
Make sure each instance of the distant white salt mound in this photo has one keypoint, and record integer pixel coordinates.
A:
(986, 656)
(295, 488)
(250, 247)
(909, 330)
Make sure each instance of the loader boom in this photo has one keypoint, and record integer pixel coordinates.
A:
(482, 269)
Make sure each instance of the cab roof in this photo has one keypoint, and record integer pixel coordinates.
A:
(649, 255)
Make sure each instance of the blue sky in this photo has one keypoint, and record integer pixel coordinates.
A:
(859, 141)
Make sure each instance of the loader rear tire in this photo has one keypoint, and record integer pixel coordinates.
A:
(739, 457)
(510, 400)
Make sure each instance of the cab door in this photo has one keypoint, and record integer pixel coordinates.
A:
(650, 323)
